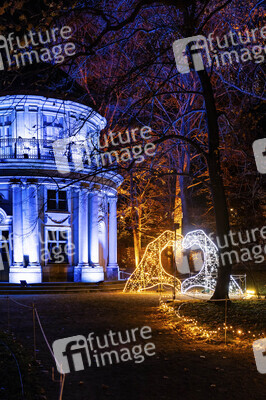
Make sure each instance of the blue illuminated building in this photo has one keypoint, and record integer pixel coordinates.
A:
(54, 226)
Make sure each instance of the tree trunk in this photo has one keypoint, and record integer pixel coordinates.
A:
(186, 225)
(140, 227)
(172, 192)
(217, 187)
(135, 222)
(183, 184)
(136, 246)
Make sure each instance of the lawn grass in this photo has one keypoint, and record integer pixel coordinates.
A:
(246, 319)
(18, 372)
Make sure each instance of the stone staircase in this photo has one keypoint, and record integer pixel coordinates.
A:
(60, 287)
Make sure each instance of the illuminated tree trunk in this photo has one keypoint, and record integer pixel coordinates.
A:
(140, 227)
(184, 195)
(135, 222)
(183, 182)
(217, 187)
(137, 234)
(136, 246)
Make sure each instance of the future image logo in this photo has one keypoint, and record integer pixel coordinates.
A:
(259, 349)
(77, 353)
(205, 51)
(259, 149)
(35, 47)
(180, 52)
(72, 354)
(117, 148)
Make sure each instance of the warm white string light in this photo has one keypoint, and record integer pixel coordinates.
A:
(207, 276)
(196, 329)
(150, 272)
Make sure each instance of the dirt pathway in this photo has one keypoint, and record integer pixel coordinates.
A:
(179, 370)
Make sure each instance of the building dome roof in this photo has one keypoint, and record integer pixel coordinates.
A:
(46, 80)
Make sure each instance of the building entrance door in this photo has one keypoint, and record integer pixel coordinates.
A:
(58, 266)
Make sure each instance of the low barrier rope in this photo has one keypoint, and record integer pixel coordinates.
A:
(62, 382)
(35, 313)
(20, 304)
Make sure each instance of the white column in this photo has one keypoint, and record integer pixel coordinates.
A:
(94, 272)
(94, 234)
(31, 242)
(112, 232)
(103, 231)
(25, 235)
(112, 268)
(83, 228)
(17, 225)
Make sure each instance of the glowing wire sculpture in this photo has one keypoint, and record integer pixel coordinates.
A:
(207, 276)
(150, 272)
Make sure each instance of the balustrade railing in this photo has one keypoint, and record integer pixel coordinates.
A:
(42, 149)
(26, 149)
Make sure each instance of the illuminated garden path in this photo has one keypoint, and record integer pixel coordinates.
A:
(180, 369)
